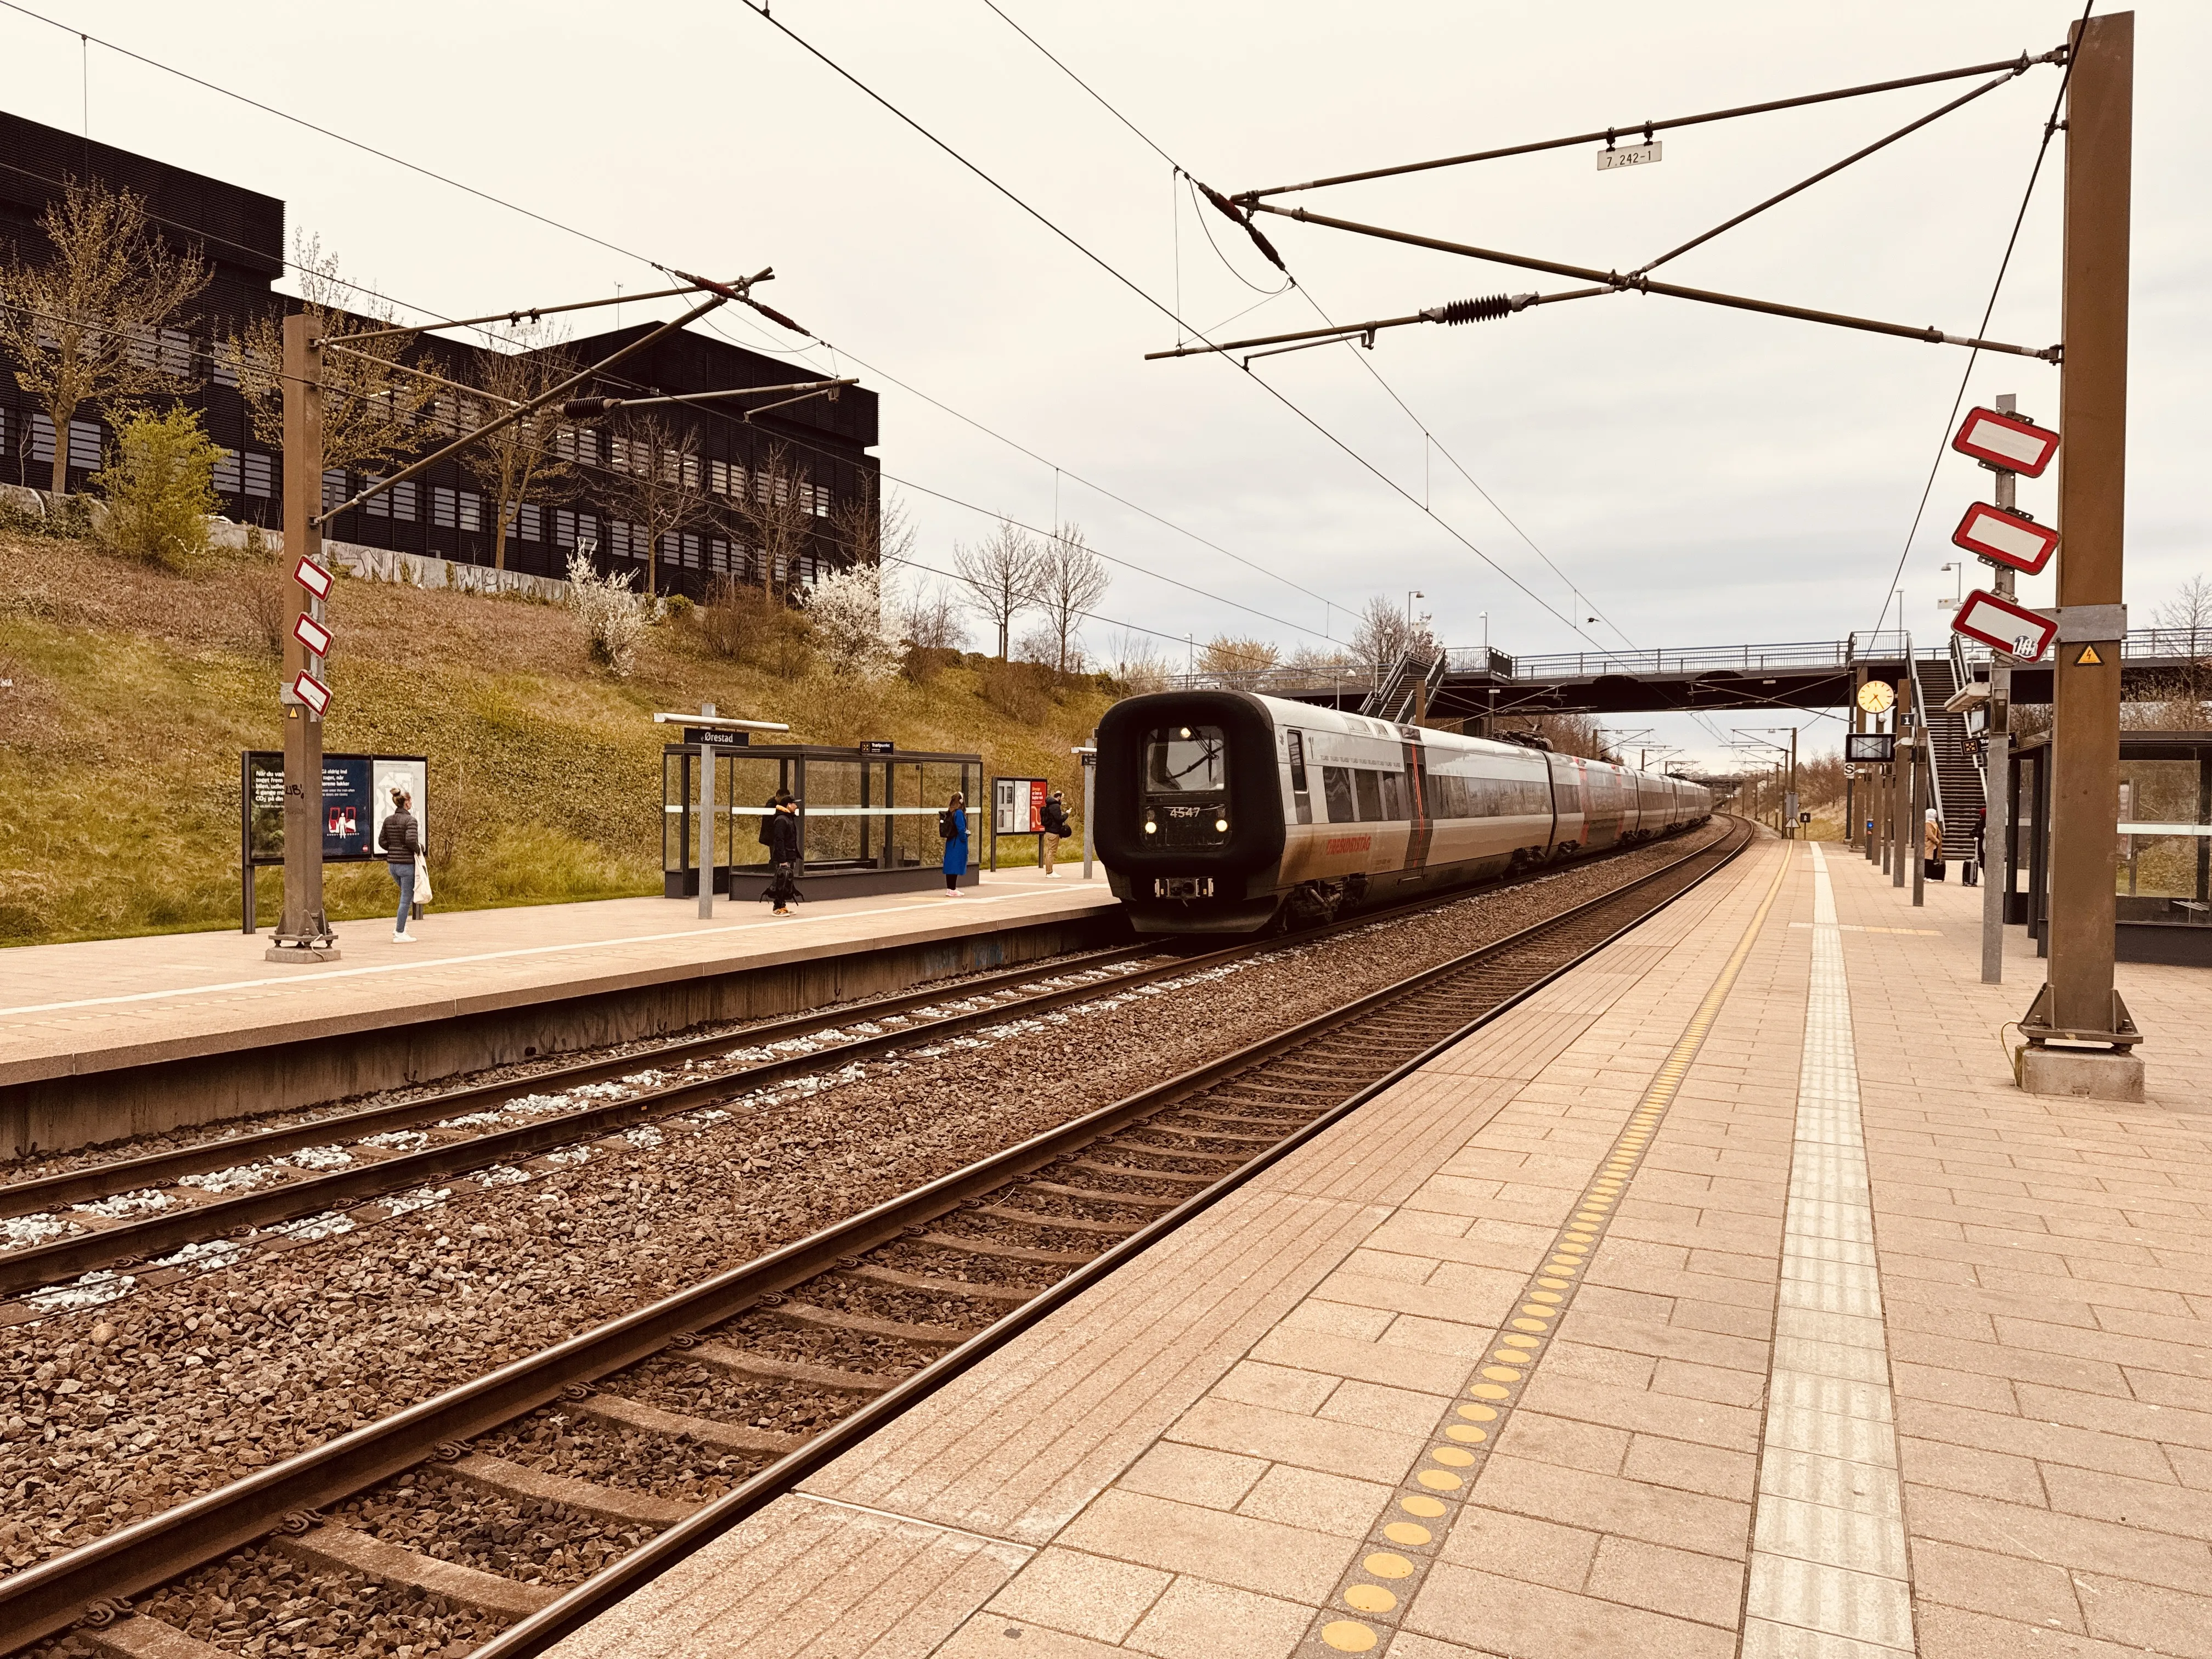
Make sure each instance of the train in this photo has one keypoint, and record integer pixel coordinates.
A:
(1223, 811)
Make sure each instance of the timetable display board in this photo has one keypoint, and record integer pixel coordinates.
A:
(356, 800)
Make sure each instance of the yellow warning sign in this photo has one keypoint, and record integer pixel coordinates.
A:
(2088, 658)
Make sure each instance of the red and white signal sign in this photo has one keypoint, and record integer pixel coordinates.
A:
(313, 692)
(312, 634)
(2007, 442)
(312, 577)
(2006, 538)
(2003, 626)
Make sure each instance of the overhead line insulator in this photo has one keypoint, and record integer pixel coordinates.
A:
(1486, 310)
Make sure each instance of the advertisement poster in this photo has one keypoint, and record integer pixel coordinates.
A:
(356, 799)
(1017, 805)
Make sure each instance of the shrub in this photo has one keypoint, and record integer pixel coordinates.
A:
(678, 607)
(614, 619)
(158, 489)
(855, 638)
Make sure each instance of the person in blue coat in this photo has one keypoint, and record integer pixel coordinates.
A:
(952, 825)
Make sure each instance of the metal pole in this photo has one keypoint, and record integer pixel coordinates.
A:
(1090, 799)
(1908, 732)
(1920, 825)
(303, 931)
(706, 822)
(2079, 1001)
(1996, 762)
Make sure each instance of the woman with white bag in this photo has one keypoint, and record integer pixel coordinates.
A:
(402, 839)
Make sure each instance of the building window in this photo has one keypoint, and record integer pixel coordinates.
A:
(176, 353)
(442, 506)
(577, 444)
(527, 525)
(141, 348)
(258, 473)
(84, 443)
(377, 506)
(718, 477)
(226, 365)
(471, 510)
(334, 487)
(617, 539)
(718, 555)
(402, 500)
(226, 472)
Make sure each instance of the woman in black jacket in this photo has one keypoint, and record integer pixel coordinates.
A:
(781, 833)
(402, 838)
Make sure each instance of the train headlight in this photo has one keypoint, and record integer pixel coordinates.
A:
(1152, 828)
(1221, 826)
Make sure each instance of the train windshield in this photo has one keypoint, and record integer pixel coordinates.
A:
(1186, 760)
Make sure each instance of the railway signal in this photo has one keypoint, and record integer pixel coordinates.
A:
(2003, 626)
(2006, 537)
(2011, 443)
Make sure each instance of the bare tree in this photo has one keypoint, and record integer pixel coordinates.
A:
(89, 324)
(372, 406)
(518, 459)
(774, 516)
(1236, 662)
(656, 487)
(1384, 632)
(1002, 574)
(1138, 664)
(1071, 578)
(872, 531)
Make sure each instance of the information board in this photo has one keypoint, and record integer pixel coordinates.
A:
(356, 800)
(1017, 805)
(1870, 748)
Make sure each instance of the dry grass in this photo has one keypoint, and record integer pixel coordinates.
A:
(135, 691)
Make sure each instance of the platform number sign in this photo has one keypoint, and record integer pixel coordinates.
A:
(2003, 626)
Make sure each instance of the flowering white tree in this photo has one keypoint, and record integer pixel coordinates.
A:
(856, 640)
(614, 618)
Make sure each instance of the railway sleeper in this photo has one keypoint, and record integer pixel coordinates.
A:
(625, 1413)
(807, 1315)
(1127, 1173)
(724, 1357)
(867, 1274)
(1285, 1122)
(1074, 1224)
(1159, 1128)
(1227, 1160)
(1018, 1252)
(139, 1637)
(1140, 1200)
(497, 1474)
(334, 1545)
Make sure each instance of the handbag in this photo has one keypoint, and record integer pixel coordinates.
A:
(1933, 869)
(422, 895)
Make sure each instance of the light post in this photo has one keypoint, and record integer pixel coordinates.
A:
(1790, 795)
(1957, 573)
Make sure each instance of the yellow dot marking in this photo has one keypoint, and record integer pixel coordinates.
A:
(1570, 1247)
(1549, 1297)
(1459, 1431)
(1348, 1636)
(1501, 1374)
(1561, 1265)
(1405, 1532)
(1550, 1285)
(1511, 1356)
(1384, 1564)
(1369, 1598)
(1534, 1324)
(1487, 1391)
(1427, 1508)
(1437, 1480)
(1522, 1342)
(1452, 1457)
(1478, 1414)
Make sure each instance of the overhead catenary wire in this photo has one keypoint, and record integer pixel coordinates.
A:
(2051, 126)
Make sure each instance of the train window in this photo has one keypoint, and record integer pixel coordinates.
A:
(1370, 785)
(1394, 796)
(1296, 742)
(1336, 785)
(1186, 760)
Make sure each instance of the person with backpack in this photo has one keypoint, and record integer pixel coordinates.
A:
(1054, 821)
(953, 827)
(780, 833)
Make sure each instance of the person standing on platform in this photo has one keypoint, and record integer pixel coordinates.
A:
(402, 845)
(1054, 819)
(1970, 873)
(1931, 845)
(952, 825)
(779, 831)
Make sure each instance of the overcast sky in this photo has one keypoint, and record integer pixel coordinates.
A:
(1699, 476)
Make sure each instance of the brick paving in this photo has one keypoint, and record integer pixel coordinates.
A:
(1268, 1436)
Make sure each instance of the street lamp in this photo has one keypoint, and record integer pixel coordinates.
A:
(1958, 588)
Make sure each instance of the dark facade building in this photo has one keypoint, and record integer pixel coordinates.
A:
(817, 450)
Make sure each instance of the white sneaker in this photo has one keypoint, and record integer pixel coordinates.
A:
(403, 938)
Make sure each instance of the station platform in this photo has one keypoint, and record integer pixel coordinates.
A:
(110, 1037)
(1725, 1297)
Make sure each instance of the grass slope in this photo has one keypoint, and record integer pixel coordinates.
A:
(134, 688)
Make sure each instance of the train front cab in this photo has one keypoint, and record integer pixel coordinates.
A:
(1189, 811)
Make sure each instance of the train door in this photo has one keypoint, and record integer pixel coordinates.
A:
(1568, 816)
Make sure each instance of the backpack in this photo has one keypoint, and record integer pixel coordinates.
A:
(952, 825)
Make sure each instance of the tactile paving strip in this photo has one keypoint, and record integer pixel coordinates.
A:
(1375, 1593)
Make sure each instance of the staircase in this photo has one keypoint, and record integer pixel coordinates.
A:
(1395, 699)
(1957, 780)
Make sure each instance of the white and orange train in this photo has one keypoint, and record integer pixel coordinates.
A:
(1221, 812)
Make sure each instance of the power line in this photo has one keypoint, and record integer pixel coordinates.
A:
(2043, 149)
(1145, 294)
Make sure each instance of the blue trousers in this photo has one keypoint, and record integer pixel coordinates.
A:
(404, 875)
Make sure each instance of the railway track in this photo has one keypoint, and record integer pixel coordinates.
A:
(73, 1234)
(465, 1511)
